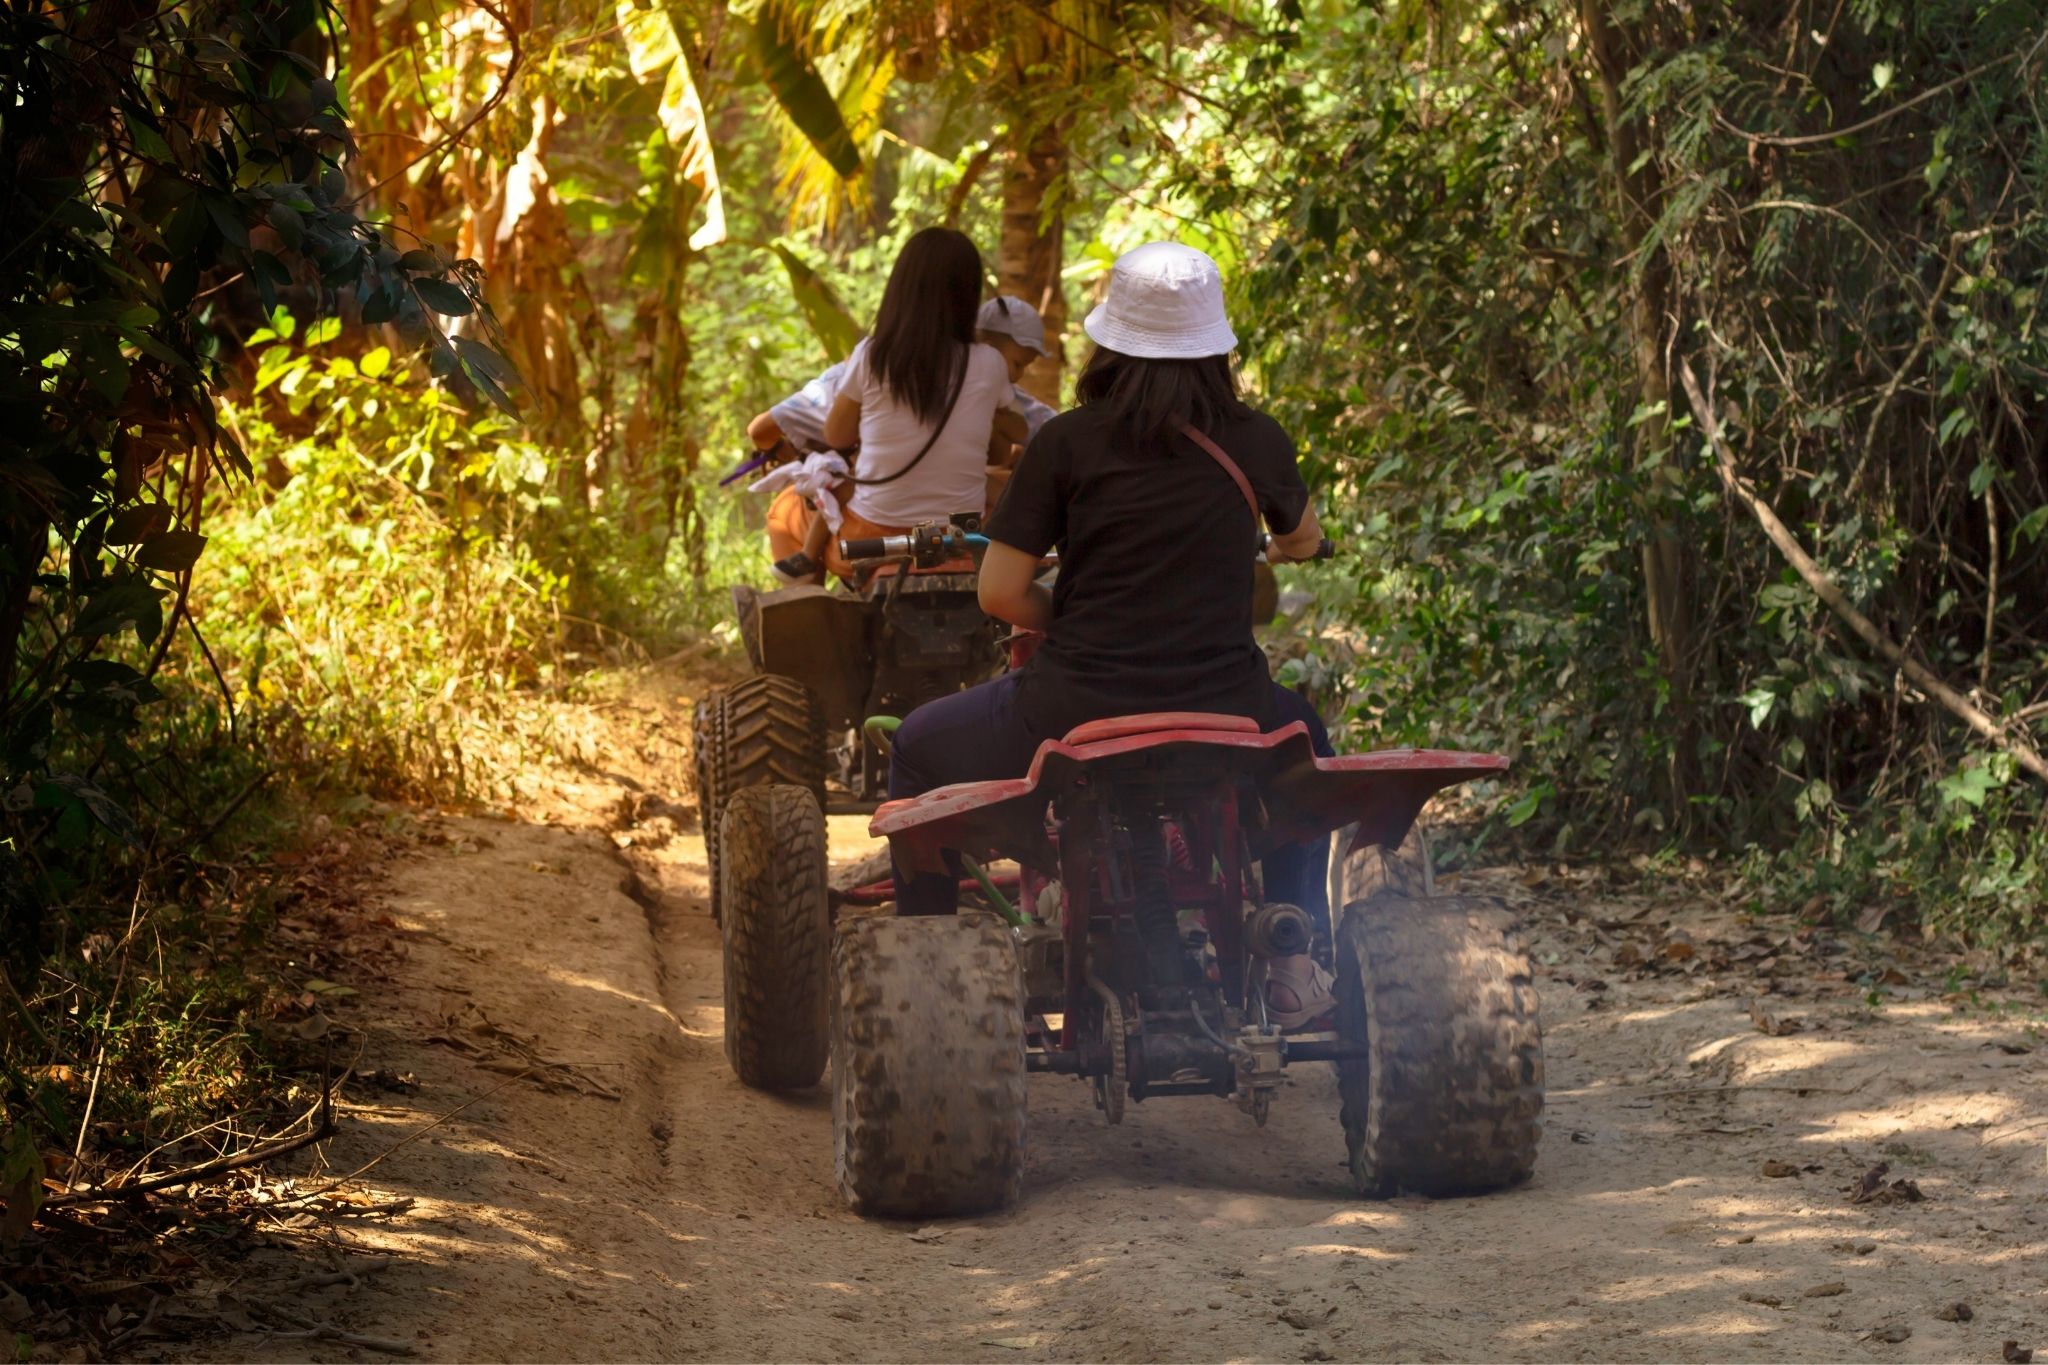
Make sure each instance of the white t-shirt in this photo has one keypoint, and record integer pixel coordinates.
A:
(952, 477)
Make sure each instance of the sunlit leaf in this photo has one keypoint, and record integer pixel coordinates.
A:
(652, 45)
(835, 326)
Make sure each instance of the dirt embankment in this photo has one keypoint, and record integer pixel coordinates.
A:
(605, 1190)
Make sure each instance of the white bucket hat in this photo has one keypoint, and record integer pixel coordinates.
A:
(1007, 315)
(1165, 302)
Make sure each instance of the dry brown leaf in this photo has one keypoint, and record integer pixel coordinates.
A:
(1775, 1169)
(1769, 1025)
(2015, 1354)
(1827, 1291)
(1956, 1312)
(1891, 1334)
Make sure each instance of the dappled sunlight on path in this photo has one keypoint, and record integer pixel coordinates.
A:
(1690, 1202)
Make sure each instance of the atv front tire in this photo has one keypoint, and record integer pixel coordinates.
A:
(777, 929)
(928, 1083)
(705, 722)
(1449, 1099)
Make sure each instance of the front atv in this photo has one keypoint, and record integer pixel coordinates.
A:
(825, 661)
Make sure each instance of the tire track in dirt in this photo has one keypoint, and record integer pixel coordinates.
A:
(694, 1219)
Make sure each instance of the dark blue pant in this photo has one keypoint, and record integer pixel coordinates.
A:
(978, 736)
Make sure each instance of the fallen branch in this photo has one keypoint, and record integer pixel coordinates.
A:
(1830, 592)
(405, 1141)
(350, 1275)
(206, 1170)
(327, 1331)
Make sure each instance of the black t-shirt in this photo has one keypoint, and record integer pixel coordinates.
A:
(1152, 610)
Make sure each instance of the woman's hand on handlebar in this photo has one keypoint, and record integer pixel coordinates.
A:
(1009, 590)
(1298, 545)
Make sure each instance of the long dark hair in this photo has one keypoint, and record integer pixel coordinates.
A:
(926, 321)
(1147, 400)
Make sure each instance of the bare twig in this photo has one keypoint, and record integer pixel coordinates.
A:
(28, 1021)
(484, 111)
(1931, 92)
(1828, 591)
(957, 200)
(248, 790)
(99, 1061)
(1990, 589)
(1124, 60)
(227, 694)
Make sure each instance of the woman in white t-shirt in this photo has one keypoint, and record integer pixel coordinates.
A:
(920, 396)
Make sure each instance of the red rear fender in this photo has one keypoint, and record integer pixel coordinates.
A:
(1305, 796)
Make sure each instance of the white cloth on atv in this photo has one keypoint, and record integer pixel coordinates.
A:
(815, 477)
(1298, 990)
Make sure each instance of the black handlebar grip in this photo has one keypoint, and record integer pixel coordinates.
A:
(1326, 549)
(871, 548)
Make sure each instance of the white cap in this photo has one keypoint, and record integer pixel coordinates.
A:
(1165, 302)
(1007, 315)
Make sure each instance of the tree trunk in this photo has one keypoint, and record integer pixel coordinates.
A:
(1617, 45)
(1029, 255)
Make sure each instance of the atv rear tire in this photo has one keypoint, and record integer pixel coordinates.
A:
(928, 1084)
(765, 729)
(1449, 1099)
(777, 929)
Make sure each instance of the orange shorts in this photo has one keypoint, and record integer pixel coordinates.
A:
(790, 518)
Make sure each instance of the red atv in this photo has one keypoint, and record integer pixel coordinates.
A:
(1127, 830)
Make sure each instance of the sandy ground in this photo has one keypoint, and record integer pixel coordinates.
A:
(606, 1190)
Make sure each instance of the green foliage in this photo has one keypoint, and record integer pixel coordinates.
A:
(1444, 313)
(387, 581)
(170, 169)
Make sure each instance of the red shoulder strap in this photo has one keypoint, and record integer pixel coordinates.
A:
(1216, 453)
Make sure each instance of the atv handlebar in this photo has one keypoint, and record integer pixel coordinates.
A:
(927, 544)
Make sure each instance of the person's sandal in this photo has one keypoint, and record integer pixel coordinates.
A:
(798, 568)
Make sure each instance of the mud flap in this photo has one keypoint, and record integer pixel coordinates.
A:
(814, 635)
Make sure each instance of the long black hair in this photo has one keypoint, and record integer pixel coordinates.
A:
(926, 321)
(1147, 400)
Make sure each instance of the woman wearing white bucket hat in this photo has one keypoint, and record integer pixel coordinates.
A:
(1154, 489)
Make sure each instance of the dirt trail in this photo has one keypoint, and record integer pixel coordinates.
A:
(637, 1203)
